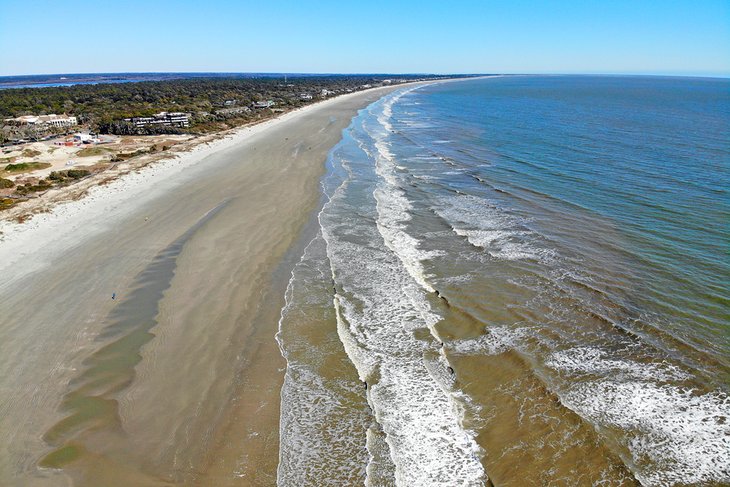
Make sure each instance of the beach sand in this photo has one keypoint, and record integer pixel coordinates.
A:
(177, 379)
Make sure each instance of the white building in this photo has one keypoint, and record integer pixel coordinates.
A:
(170, 119)
(52, 120)
(80, 137)
(263, 104)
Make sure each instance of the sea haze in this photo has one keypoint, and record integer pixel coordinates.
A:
(518, 275)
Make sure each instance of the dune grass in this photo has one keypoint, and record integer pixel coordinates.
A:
(22, 167)
(92, 151)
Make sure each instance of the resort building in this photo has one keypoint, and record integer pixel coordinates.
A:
(51, 120)
(263, 104)
(169, 119)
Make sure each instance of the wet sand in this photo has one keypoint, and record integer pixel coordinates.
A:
(177, 379)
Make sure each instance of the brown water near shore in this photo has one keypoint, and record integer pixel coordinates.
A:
(181, 386)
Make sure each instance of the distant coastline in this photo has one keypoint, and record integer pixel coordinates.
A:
(71, 79)
(105, 120)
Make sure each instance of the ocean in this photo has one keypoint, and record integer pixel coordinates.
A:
(517, 280)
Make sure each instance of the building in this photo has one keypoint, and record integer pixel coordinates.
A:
(325, 93)
(51, 120)
(305, 96)
(167, 119)
(81, 137)
(263, 104)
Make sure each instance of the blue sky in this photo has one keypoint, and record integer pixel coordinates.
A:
(481, 36)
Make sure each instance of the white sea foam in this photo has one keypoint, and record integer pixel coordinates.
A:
(486, 226)
(322, 440)
(674, 435)
(381, 306)
(594, 361)
(394, 207)
(380, 470)
(423, 427)
(496, 340)
(313, 446)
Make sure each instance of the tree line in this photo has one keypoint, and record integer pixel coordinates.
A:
(104, 106)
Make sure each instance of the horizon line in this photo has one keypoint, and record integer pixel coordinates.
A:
(294, 73)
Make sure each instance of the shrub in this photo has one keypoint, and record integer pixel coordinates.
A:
(26, 166)
(77, 173)
(6, 203)
(31, 153)
(6, 183)
(22, 166)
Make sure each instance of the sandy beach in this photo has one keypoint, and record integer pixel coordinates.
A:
(138, 321)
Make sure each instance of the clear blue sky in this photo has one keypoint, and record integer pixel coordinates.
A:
(435, 36)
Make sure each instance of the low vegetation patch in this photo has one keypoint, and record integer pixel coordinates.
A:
(27, 188)
(122, 156)
(31, 153)
(6, 203)
(26, 167)
(69, 174)
(24, 189)
(92, 151)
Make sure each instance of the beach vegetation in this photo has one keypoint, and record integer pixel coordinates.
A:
(69, 174)
(34, 187)
(6, 203)
(31, 153)
(26, 167)
(77, 173)
(123, 156)
(92, 151)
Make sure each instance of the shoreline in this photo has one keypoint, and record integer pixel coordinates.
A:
(25, 227)
(213, 356)
(48, 200)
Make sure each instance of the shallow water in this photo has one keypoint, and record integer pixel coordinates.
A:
(527, 280)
